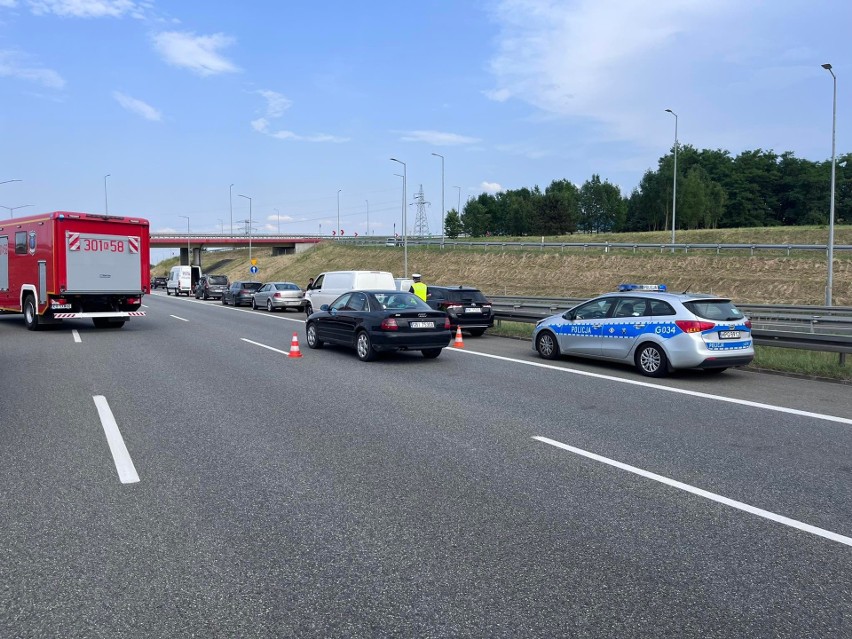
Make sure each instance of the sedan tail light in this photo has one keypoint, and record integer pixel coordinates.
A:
(694, 326)
(447, 325)
(389, 324)
(748, 324)
(278, 295)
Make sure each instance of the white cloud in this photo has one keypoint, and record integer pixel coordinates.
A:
(13, 65)
(437, 138)
(137, 106)
(8, 4)
(276, 105)
(490, 187)
(196, 53)
(604, 61)
(84, 8)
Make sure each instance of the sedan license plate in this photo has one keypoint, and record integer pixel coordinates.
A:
(729, 334)
(473, 310)
(422, 324)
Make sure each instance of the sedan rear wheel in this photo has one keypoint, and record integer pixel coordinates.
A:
(364, 347)
(313, 339)
(269, 305)
(651, 361)
(253, 305)
(546, 345)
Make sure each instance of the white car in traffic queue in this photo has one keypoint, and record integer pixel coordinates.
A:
(652, 329)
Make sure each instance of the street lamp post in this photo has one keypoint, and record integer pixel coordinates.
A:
(458, 206)
(188, 250)
(674, 182)
(231, 206)
(250, 223)
(404, 216)
(278, 217)
(7, 181)
(443, 210)
(106, 200)
(368, 217)
(338, 213)
(11, 209)
(830, 284)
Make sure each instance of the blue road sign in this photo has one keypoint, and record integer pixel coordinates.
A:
(253, 270)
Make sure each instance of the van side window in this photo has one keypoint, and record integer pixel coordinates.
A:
(20, 242)
(318, 282)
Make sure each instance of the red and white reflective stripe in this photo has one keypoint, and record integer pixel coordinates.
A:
(73, 241)
(136, 314)
(66, 315)
(134, 244)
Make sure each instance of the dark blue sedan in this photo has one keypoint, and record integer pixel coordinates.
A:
(372, 322)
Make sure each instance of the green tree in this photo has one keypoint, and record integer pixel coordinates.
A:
(453, 224)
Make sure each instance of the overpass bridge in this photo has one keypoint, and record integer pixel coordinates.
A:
(192, 244)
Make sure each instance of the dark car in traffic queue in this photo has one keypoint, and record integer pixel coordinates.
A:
(377, 321)
(211, 287)
(240, 293)
(159, 282)
(655, 330)
(466, 307)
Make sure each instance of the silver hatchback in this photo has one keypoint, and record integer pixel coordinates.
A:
(652, 329)
(275, 295)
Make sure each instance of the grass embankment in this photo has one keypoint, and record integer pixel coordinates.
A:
(760, 279)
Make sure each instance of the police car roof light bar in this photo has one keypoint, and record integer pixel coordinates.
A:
(642, 287)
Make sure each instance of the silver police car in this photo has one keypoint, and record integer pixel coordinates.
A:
(653, 329)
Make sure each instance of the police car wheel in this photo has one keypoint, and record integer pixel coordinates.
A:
(651, 361)
(546, 345)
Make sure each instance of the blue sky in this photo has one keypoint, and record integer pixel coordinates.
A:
(292, 101)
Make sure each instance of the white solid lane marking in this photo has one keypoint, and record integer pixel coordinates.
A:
(179, 318)
(793, 523)
(265, 346)
(668, 389)
(123, 463)
(76, 336)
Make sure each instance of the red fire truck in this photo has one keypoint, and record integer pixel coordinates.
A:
(66, 265)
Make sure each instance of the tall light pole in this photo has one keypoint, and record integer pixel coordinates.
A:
(674, 182)
(278, 217)
(458, 206)
(338, 213)
(231, 206)
(188, 250)
(250, 223)
(11, 209)
(830, 284)
(368, 217)
(404, 216)
(7, 181)
(106, 200)
(443, 211)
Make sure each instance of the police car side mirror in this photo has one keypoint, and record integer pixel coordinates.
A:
(569, 315)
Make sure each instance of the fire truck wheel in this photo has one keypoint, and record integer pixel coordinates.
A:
(30, 314)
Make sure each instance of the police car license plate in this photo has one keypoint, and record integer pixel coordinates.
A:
(473, 310)
(729, 334)
(422, 324)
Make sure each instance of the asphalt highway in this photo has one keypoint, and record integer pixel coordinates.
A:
(184, 477)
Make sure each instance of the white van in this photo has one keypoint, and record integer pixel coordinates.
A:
(328, 286)
(182, 280)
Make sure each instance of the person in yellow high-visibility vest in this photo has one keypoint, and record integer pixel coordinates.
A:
(418, 288)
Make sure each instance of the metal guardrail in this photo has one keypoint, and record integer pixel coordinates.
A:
(814, 328)
(684, 247)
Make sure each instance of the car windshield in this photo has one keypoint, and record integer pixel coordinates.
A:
(718, 310)
(217, 279)
(286, 286)
(252, 286)
(401, 301)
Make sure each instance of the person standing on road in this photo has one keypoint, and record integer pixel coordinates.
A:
(418, 288)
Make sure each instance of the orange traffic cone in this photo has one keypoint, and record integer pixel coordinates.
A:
(294, 347)
(459, 343)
